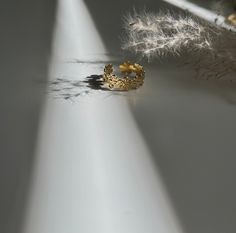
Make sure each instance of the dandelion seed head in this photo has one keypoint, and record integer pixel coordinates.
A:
(164, 33)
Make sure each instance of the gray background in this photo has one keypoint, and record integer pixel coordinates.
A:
(188, 124)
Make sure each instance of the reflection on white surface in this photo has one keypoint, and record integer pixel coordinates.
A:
(93, 171)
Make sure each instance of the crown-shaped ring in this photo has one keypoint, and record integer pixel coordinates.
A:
(126, 83)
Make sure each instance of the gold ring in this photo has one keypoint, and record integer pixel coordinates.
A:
(113, 82)
(231, 19)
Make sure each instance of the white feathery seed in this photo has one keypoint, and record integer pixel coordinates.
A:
(212, 48)
(162, 34)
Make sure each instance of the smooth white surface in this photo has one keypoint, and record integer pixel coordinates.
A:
(93, 171)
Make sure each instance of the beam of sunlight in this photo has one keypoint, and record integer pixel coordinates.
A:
(78, 35)
(93, 171)
(201, 12)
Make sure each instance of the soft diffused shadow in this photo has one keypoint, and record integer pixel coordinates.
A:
(188, 125)
(26, 32)
(69, 89)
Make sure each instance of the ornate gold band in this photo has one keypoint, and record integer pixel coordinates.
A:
(231, 19)
(113, 82)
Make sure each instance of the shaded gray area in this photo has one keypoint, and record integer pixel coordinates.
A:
(26, 33)
(188, 125)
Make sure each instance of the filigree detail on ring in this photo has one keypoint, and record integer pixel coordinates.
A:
(126, 83)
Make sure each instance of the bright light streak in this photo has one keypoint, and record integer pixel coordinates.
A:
(93, 171)
(78, 35)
